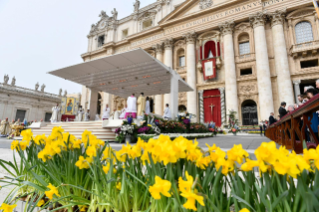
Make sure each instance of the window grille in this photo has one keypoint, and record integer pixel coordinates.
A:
(182, 61)
(303, 32)
(20, 115)
(244, 48)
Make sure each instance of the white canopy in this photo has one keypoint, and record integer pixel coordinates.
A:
(125, 73)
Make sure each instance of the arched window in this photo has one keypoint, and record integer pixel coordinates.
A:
(244, 46)
(181, 58)
(303, 32)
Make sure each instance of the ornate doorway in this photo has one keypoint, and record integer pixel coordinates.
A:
(212, 107)
(249, 112)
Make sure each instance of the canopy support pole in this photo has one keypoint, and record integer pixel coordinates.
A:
(174, 95)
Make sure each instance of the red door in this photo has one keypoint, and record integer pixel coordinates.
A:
(212, 110)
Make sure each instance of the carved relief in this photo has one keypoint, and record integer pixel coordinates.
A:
(168, 43)
(190, 37)
(277, 17)
(204, 4)
(227, 27)
(158, 48)
(258, 19)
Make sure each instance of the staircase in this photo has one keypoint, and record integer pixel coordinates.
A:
(77, 128)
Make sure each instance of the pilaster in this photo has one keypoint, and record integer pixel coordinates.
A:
(201, 106)
(222, 105)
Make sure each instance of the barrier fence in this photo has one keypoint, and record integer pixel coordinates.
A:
(294, 128)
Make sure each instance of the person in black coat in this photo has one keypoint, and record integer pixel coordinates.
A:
(282, 110)
(272, 119)
(151, 105)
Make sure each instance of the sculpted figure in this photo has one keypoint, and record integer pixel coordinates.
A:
(93, 27)
(60, 92)
(65, 93)
(6, 79)
(114, 13)
(137, 5)
(103, 14)
(37, 86)
(42, 87)
(13, 82)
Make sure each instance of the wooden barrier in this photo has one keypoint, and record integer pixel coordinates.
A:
(290, 131)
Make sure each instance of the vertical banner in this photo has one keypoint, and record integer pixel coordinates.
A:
(209, 69)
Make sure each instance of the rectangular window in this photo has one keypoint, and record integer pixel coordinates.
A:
(101, 41)
(47, 117)
(124, 33)
(246, 71)
(182, 61)
(244, 48)
(309, 63)
(20, 115)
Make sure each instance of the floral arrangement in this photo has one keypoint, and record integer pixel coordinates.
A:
(64, 173)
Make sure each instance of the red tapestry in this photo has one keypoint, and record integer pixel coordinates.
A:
(209, 69)
(212, 108)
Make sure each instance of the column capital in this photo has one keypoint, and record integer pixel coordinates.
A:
(168, 43)
(227, 27)
(257, 19)
(296, 82)
(277, 17)
(190, 37)
(158, 48)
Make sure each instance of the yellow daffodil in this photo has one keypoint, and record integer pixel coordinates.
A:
(160, 187)
(185, 185)
(83, 208)
(203, 162)
(226, 165)
(77, 144)
(106, 168)
(53, 190)
(57, 132)
(107, 153)
(27, 135)
(40, 203)
(310, 154)
(85, 137)
(237, 153)
(44, 154)
(244, 210)
(91, 151)
(15, 145)
(24, 145)
(192, 197)
(84, 163)
(267, 152)
(214, 156)
(7, 208)
(119, 186)
(211, 148)
(40, 139)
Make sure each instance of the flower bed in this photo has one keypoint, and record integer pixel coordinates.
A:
(68, 174)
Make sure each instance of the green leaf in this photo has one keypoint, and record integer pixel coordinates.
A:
(278, 199)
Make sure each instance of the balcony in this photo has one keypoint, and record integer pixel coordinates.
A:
(245, 58)
(304, 48)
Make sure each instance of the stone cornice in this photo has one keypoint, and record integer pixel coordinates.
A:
(13, 90)
(227, 27)
(168, 43)
(190, 37)
(277, 17)
(258, 19)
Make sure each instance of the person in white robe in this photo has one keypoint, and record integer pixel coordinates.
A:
(97, 117)
(5, 128)
(80, 113)
(123, 112)
(87, 116)
(167, 113)
(55, 114)
(106, 113)
(147, 106)
(131, 106)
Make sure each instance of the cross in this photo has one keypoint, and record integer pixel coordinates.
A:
(211, 108)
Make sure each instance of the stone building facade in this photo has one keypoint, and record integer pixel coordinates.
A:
(246, 56)
(24, 103)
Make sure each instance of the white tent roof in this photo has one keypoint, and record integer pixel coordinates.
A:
(122, 74)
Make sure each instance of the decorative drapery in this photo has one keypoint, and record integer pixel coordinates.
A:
(210, 46)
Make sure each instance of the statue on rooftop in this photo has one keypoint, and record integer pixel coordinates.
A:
(103, 14)
(60, 92)
(13, 82)
(137, 5)
(65, 93)
(114, 13)
(6, 79)
(37, 86)
(42, 87)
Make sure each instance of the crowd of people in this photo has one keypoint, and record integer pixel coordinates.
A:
(135, 108)
(308, 93)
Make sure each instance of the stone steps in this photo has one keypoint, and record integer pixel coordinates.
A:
(77, 128)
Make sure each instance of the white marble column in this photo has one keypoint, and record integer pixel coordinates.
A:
(230, 69)
(266, 103)
(285, 89)
(297, 90)
(159, 98)
(190, 39)
(201, 106)
(168, 61)
(93, 101)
